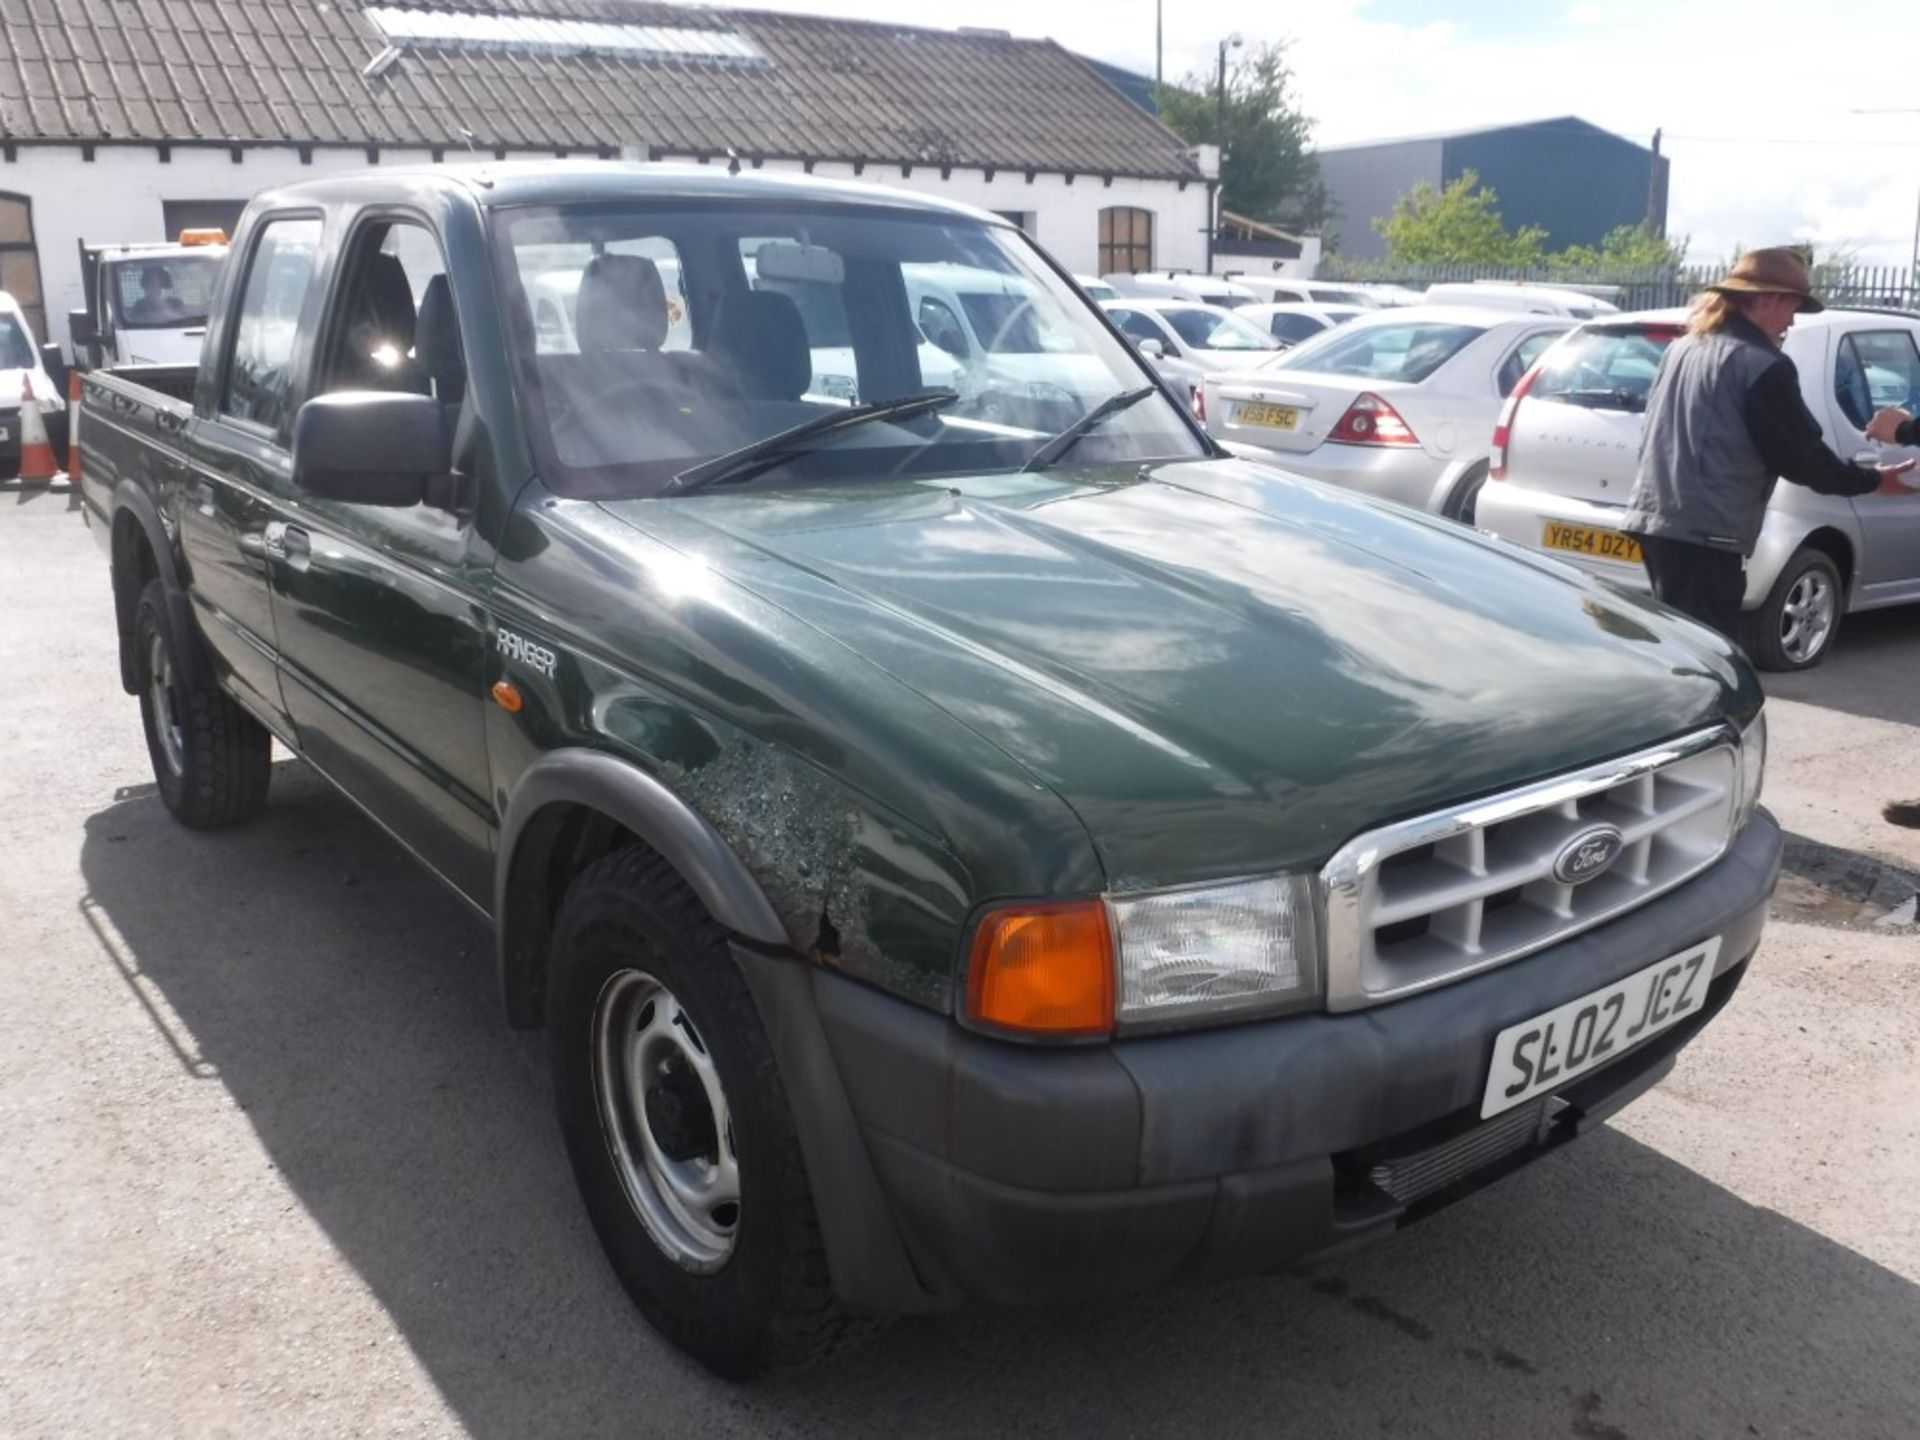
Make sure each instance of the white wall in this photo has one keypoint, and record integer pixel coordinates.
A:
(1225, 262)
(116, 197)
(1066, 218)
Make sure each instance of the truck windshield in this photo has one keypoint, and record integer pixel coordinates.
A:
(172, 292)
(649, 338)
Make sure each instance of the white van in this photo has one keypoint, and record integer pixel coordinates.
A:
(146, 304)
(21, 369)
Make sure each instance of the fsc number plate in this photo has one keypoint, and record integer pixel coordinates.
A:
(1592, 540)
(1274, 417)
(1545, 1052)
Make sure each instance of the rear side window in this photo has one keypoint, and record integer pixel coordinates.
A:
(1604, 369)
(1873, 370)
(1409, 352)
(1522, 358)
(1206, 331)
(1294, 328)
(279, 275)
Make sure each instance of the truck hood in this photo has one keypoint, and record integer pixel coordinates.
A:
(1221, 668)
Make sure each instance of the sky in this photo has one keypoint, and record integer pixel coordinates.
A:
(1761, 103)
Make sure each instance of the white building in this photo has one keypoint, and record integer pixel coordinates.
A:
(129, 122)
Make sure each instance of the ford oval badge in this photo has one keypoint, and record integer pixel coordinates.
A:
(1588, 855)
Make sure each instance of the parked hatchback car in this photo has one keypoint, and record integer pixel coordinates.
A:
(1569, 443)
(1207, 337)
(1294, 321)
(1399, 403)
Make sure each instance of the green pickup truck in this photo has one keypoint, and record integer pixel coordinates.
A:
(963, 834)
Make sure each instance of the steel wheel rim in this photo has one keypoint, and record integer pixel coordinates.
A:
(1806, 617)
(666, 1122)
(165, 703)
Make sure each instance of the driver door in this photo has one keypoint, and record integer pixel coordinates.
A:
(1873, 369)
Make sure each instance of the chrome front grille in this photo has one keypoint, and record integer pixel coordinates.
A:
(1430, 900)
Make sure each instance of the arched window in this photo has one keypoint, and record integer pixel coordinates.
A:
(20, 262)
(1126, 240)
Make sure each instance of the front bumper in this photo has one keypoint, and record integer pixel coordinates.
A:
(1022, 1173)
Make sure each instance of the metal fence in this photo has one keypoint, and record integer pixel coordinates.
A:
(1886, 286)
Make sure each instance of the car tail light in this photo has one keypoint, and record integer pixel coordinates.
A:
(1200, 403)
(1503, 431)
(1372, 421)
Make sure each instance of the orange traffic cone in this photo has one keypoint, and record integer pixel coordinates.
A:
(37, 465)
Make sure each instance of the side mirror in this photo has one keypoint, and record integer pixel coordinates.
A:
(80, 326)
(55, 364)
(1152, 349)
(371, 447)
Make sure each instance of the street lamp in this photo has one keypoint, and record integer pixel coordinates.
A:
(1232, 42)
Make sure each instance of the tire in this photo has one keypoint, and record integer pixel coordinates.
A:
(642, 991)
(1461, 504)
(212, 761)
(1795, 627)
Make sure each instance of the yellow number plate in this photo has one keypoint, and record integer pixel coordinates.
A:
(1274, 417)
(1591, 540)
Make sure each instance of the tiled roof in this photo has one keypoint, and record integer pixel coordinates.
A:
(295, 72)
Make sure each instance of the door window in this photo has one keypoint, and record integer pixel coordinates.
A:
(279, 276)
(1139, 325)
(393, 325)
(942, 327)
(1873, 370)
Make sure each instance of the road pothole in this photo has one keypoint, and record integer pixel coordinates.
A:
(1844, 889)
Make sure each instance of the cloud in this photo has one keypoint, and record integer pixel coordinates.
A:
(1758, 115)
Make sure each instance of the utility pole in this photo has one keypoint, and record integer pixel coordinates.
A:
(1656, 222)
(1159, 41)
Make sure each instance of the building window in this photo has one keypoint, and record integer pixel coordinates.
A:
(1126, 240)
(20, 263)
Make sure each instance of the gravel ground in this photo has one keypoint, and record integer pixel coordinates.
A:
(270, 1164)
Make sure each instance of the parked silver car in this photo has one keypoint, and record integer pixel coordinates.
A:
(1396, 403)
(1569, 441)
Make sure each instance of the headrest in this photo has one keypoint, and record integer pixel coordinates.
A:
(436, 340)
(386, 300)
(759, 334)
(621, 305)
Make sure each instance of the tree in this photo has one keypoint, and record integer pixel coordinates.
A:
(1266, 170)
(1625, 247)
(1456, 226)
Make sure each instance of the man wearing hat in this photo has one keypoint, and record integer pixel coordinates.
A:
(1725, 420)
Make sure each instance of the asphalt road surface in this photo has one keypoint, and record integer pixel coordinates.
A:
(270, 1163)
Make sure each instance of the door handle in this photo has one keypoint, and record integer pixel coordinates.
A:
(296, 542)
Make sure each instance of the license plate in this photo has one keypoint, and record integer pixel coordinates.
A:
(1591, 540)
(1545, 1052)
(1274, 417)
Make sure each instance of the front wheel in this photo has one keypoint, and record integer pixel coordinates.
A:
(212, 761)
(1795, 626)
(678, 1128)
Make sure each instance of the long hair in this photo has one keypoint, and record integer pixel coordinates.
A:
(1711, 311)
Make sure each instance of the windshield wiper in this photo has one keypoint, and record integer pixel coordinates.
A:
(750, 460)
(1067, 438)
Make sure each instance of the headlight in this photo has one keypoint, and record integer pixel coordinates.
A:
(51, 404)
(1753, 765)
(1082, 968)
(1216, 950)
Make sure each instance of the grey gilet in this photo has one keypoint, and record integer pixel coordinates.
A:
(1701, 478)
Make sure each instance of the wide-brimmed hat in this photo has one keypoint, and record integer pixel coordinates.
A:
(1777, 270)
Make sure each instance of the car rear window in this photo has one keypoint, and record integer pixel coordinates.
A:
(1411, 351)
(1604, 369)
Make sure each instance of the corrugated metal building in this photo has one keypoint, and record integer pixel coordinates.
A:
(124, 121)
(1572, 179)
